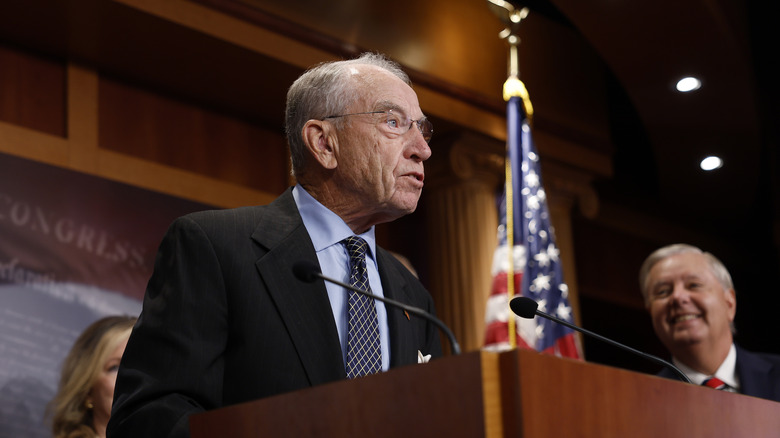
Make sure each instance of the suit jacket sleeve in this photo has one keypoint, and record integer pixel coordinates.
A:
(173, 363)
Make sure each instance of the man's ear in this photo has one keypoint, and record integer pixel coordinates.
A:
(731, 303)
(321, 141)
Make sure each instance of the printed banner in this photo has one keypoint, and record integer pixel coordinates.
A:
(73, 248)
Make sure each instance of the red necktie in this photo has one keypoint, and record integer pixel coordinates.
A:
(715, 383)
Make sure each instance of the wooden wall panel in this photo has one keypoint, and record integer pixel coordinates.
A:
(152, 127)
(32, 91)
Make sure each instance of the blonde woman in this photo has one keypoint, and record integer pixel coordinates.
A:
(82, 405)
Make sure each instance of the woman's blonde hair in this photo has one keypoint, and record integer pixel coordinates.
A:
(70, 417)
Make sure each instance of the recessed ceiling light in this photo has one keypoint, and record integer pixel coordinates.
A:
(711, 163)
(688, 84)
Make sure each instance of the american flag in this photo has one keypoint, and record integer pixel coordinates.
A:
(536, 266)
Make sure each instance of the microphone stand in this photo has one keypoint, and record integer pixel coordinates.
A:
(307, 272)
(650, 357)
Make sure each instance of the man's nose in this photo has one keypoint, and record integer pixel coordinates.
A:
(680, 294)
(419, 150)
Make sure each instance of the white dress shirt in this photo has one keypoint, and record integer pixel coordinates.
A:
(727, 372)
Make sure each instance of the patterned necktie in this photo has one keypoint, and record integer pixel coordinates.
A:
(715, 383)
(363, 353)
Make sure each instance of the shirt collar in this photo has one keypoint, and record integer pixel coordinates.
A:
(325, 227)
(727, 372)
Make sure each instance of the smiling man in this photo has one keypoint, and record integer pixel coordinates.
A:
(692, 303)
(224, 319)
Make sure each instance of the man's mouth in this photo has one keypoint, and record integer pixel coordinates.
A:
(418, 176)
(683, 318)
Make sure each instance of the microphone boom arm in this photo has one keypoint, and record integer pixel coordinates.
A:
(650, 357)
(411, 309)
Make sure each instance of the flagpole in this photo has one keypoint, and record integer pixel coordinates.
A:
(513, 87)
(511, 17)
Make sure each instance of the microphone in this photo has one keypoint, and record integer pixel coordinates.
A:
(309, 272)
(525, 307)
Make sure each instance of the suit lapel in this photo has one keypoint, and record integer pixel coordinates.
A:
(402, 351)
(304, 307)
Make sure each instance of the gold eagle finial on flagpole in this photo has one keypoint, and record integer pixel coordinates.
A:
(511, 17)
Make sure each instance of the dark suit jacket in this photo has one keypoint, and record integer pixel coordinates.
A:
(225, 321)
(758, 373)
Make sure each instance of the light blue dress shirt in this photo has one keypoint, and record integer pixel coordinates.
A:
(327, 230)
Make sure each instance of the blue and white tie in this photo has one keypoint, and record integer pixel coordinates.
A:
(364, 355)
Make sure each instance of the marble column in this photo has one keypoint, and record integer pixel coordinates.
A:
(461, 223)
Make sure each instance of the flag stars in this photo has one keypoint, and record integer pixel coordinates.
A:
(564, 288)
(563, 311)
(553, 252)
(501, 233)
(532, 180)
(533, 203)
(539, 331)
(542, 305)
(541, 282)
(543, 259)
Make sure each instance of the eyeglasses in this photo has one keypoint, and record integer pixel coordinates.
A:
(396, 124)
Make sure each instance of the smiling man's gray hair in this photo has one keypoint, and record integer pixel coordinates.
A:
(716, 266)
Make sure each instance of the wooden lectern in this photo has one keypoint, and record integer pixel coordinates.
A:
(513, 394)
